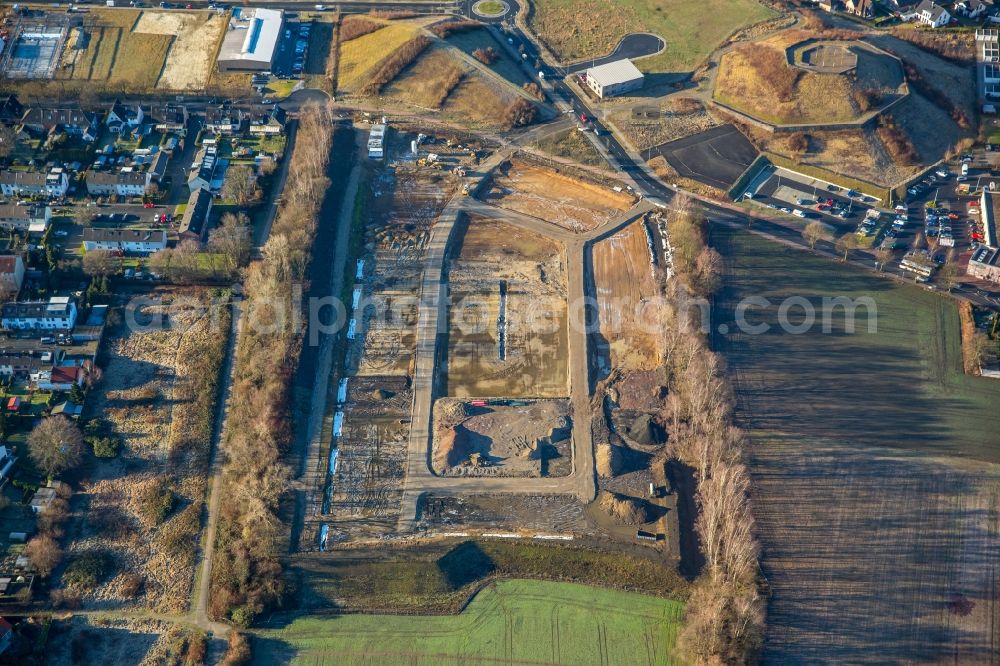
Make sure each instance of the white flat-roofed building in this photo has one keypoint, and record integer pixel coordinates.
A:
(136, 241)
(251, 40)
(614, 78)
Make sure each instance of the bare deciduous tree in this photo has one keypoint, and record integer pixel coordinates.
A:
(55, 445)
(814, 232)
(44, 553)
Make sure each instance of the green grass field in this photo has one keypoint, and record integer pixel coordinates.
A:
(575, 29)
(517, 621)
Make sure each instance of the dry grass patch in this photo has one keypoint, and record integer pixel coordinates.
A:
(359, 56)
(678, 119)
(158, 392)
(428, 81)
(575, 29)
(757, 79)
(477, 103)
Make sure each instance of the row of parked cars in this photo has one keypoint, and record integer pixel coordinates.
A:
(301, 45)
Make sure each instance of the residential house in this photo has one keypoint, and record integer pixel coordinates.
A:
(194, 223)
(158, 167)
(984, 264)
(272, 124)
(862, 8)
(7, 460)
(169, 118)
(973, 9)
(29, 217)
(75, 122)
(29, 183)
(224, 120)
(11, 110)
(11, 274)
(123, 119)
(56, 314)
(928, 13)
(128, 182)
(202, 171)
(25, 363)
(135, 241)
(60, 378)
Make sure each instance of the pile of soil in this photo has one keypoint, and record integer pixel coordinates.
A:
(608, 459)
(452, 450)
(624, 510)
(644, 430)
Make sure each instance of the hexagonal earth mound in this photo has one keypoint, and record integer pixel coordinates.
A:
(828, 58)
(809, 81)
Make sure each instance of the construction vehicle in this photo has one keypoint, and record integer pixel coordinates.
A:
(465, 189)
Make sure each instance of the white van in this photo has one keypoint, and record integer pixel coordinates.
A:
(965, 168)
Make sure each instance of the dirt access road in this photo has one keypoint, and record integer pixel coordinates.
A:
(431, 326)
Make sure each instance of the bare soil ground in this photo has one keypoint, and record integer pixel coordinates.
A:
(569, 202)
(366, 486)
(534, 359)
(405, 204)
(192, 55)
(547, 513)
(146, 394)
(626, 282)
(531, 439)
(874, 461)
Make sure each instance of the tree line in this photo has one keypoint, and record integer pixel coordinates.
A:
(247, 574)
(725, 614)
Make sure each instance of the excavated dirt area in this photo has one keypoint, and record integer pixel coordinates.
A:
(502, 438)
(628, 274)
(507, 320)
(568, 202)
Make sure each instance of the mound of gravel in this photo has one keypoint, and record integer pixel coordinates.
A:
(609, 459)
(624, 510)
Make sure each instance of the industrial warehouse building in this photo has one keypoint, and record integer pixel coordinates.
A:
(251, 40)
(614, 78)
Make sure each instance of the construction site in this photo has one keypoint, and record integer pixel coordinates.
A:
(471, 392)
(508, 315)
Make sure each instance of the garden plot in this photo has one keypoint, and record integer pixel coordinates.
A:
(568, 202)
(192, 54)
(508, 314)
(154, 394)
(625, 275)
(502, 438)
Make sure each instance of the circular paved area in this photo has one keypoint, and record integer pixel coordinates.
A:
(491, 9)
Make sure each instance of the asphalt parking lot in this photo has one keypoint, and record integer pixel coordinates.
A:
(288, 61)
(716, 157)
